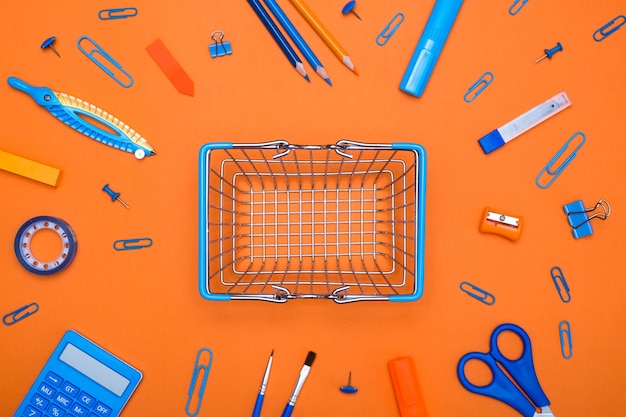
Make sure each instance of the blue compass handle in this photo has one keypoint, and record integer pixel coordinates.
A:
(42, 95)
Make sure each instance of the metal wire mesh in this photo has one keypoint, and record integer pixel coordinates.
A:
(286, 221)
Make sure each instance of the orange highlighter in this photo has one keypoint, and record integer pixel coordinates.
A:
(406, 387)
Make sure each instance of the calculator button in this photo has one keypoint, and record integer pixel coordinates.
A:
(53, 379)
(31, 412)
(55, 411)
(78, 410)
(46, 390)
(102, 410)
(62, 400)
(70, 389)
(86, 399)
(39, 402)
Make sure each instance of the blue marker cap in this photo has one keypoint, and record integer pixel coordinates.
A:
(429, 46)
(491, 141)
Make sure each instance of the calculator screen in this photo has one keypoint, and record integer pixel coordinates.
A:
(94, 369)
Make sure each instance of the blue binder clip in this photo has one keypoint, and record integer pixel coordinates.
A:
(552, 172)
(219, 47)
(579, 219)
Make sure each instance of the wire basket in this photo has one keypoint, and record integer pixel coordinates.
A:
(342, 222)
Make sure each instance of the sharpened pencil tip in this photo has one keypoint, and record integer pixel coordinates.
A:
(306, 77)
(328, 81)
(355, 71)
(310, 357)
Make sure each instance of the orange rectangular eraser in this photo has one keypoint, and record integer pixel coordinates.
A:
(407, 387)
(29, 169)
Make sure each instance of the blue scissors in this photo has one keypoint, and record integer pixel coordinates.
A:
(521, 371)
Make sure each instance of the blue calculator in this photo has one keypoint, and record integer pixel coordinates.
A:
(80, 380)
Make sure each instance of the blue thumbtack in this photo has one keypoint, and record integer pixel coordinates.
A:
(48, 44)
(349, 389)
(114, 196)
(549, 52)
(349, 8)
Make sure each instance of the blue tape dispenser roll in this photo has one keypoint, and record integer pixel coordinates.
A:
(24, 238)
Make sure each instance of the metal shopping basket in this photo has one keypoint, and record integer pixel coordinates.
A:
(281, 221)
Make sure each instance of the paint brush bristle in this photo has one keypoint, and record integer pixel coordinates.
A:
(310, 357)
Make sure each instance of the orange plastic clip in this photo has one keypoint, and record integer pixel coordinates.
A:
(504, 225)
(407, 387)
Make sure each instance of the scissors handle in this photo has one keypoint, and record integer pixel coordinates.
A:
(501, 388)
(522, 369)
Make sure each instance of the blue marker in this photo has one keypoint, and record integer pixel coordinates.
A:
(429, 46)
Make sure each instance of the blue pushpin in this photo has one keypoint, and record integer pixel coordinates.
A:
(349, 389)
(349, 8)
(549, 52)
(114, 196)
(48, 44)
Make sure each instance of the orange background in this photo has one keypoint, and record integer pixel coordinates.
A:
(144, 305)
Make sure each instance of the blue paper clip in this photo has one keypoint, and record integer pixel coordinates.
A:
(478, 87)
(478, 293)
(561, 284)
(565, 334)
(130, 244)
(194, 387)
(390, 29)
(111, 14)
(580, 221)
(609, 28)
(95, 51)
(517, 6)
(219, 47)
(555, 172)
(20, 314)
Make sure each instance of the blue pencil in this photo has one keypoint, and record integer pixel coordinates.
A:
(297, 39)
(279, 37)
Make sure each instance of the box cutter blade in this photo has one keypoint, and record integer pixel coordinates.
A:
(77, 113)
